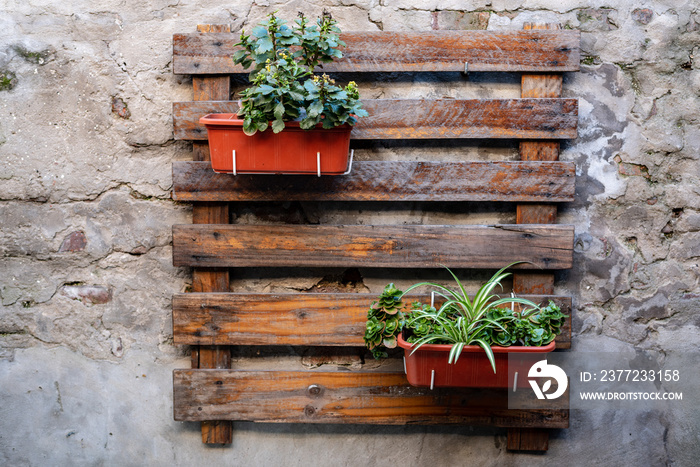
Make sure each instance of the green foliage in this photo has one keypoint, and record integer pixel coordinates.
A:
(284, 87)
(485, 320)
(385, 320)
(8, 80)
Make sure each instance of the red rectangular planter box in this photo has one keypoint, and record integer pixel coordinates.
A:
(291, 151)
(473, 369)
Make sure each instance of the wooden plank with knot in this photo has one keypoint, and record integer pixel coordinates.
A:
(509, 181)
(373, 246)
(536, 86)
(425, 51)
(319, 319)
(426, 119)
(211, 279)
(383, 398)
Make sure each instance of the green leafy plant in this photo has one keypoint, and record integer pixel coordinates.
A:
(485, 320)
(283, 84)
(385, 320)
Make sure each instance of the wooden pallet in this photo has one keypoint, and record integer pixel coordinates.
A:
(212, 318)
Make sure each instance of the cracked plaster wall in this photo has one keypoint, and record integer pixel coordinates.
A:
(85, 215)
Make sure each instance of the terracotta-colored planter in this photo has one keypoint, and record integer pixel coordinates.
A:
(428, 367)
(291, 151)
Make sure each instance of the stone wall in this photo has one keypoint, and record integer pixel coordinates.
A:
(86, 276)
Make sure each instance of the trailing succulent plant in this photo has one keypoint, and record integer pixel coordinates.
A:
(385, 320)
(485, 320)
(283, 84)
(532, 328)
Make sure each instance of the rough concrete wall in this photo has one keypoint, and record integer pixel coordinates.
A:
(85, 215)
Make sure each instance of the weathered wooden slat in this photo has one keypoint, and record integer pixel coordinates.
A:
(317, 319)
(528, 439)
(186, 117)
(343, 397)
(467, 246)
(211, 280)
(386, 181)
(474, 118)
(426, 119)
(538, 151)
(536, 86)
(533, 51)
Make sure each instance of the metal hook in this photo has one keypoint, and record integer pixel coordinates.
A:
(352, 154)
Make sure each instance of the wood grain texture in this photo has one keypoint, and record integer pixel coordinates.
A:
(533, 51)
(214, 28)
(316, 319)
(405, 246)
(211, 279)
(211, 87)
(343, 397)
(426, 119)
(536, 86)
(539, 150)
(386, 181)
(529, 439)
(545, 85)
(536, 214)
(533, 282)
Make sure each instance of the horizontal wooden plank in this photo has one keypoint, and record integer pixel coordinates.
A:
(316, 319)
(387, 181)
(404, 246)
(386, 51)
(343, 397)
(426, 119)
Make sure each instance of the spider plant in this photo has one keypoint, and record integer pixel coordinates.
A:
(460, 321)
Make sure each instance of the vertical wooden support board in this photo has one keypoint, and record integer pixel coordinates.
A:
(528, 439)
(211, 279)
(535, 86)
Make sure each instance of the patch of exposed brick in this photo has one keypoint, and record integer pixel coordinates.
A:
(75, 241)
(88, 294)
(631, 170)
(642, 15)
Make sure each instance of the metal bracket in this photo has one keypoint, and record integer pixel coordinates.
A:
(352, 155)
(318, 163)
